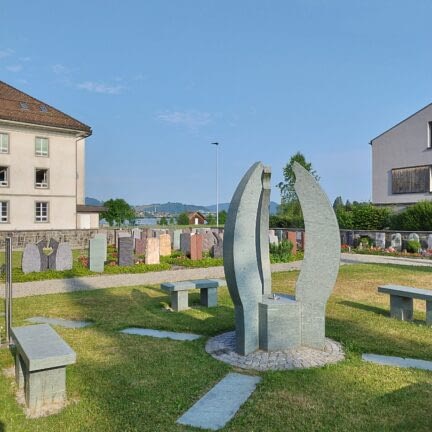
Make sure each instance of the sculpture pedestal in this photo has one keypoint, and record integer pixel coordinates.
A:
(279, 323)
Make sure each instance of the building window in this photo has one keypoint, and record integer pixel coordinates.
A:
(4, 211)
(411, 180)
(41, 212)
(430, 135)
(4, 143)
(41, 178)
(41, 146)
(4, 176)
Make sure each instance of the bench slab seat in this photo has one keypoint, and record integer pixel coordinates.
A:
(401, 301)
(41, 357)
(179, 292)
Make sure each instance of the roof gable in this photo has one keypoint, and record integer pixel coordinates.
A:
(18, 106)
(402, 121)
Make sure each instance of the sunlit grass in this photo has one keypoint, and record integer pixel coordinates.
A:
(131, 383)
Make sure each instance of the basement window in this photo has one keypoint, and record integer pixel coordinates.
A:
(41, 178)
(4, 211)
(4, 176)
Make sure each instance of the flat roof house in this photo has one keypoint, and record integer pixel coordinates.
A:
(42, 152)
(402, 161)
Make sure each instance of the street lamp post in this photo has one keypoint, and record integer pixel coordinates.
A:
(217, 182)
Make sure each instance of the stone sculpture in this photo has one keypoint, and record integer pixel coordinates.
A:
(265, 320)
(31, 260)
(63, 259)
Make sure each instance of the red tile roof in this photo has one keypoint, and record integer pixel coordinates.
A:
(18, 106)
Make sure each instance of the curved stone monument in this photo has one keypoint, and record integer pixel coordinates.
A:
(264, 320)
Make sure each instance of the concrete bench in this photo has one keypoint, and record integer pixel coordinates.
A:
(180, 292)
(401, 301)
(41, 356)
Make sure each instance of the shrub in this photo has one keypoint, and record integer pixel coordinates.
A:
(417, 217)
(278, 221)
(281, 252)
(413, 246)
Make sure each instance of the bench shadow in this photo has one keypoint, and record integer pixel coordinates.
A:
(2, 427)
(365, 307)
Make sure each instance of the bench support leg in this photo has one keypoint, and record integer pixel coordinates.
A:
(45, 387)
(429, 312)
(180, 300)
(401, 308)
(19, 371)
(208, 297)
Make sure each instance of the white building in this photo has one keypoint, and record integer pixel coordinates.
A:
(402, 161)
(42, 156)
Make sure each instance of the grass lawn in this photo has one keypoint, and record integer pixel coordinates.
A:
(131, 383)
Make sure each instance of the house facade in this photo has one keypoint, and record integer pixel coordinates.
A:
(42, 166)
(196, 218)
(402, 161)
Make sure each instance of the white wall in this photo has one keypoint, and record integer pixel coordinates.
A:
(63, 187)
(406, 145)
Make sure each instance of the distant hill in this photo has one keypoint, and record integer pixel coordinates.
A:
(93, 201)
(176, 208)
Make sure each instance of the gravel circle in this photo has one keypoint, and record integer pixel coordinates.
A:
(222, 347)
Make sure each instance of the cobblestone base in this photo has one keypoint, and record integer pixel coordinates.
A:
(222, 347)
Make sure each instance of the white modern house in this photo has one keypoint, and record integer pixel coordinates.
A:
(42, 160)
(402, 161)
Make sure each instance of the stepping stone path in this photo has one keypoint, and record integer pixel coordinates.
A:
(160, 334)
(217, 407)
(398, 361)
(223, 348)
(60, 322)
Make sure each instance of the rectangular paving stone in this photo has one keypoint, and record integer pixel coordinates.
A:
(58, 321)
(160, 334)
(217, 407)
(398, 361)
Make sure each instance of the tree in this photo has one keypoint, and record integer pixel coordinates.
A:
(338, 203)
(183, 219)
(287, 186)
(171, 221)
(222, 217)
(211, 219)
(163, 221)
(118, 211)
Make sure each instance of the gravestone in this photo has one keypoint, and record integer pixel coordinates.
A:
(380, 240)
(125, 252)
(292, 237)
(104, 237)
(217, 249)
(272, 238)
(63, 259)
(185, 243)
(136, 233)
(144, 234)
(196, 243)
(43, 258)
(209, 241)
(176, 239)
(152, 251)
(97, 247)
(53, 244)
(429, 241)
(396, 241)
(31, 260)
(119, 235)
(140, 246)
(164, 245)
(414, 236)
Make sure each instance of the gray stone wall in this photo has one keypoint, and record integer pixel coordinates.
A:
(78, 239)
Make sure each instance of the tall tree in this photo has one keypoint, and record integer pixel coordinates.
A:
(287, 186)
(183, 219)
(118, 211)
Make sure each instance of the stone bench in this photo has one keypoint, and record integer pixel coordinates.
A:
(401, 301)
(180, 292)
(41, 356)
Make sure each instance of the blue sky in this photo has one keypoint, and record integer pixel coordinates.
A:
(158, 81)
